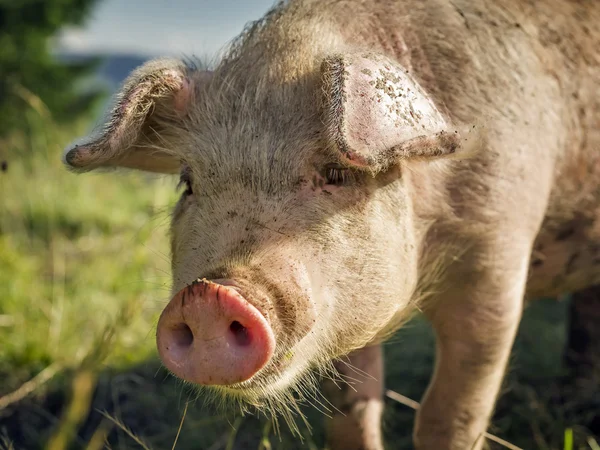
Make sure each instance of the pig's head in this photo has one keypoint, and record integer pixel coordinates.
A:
(294, 240)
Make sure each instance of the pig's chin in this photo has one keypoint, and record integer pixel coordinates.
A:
(273, 387)
(289, 375)
(263, 385)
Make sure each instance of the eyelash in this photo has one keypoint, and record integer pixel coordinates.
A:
(185, 180)
(338, 175)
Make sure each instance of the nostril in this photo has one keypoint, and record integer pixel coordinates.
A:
(182, 335)
(240, 332)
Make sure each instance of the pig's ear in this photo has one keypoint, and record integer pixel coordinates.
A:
(153, 102)
(377, 115)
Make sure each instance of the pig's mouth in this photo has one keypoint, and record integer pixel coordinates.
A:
(211, 334)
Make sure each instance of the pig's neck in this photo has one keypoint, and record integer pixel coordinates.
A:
(426, 183)
(435, 222)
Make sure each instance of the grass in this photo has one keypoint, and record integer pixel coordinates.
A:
(84, 274)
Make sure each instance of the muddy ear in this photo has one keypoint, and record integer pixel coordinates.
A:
(376, 114)
(153, 101)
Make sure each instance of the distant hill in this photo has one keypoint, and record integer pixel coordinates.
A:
(117, 67)
(113, 70)
(111, 73)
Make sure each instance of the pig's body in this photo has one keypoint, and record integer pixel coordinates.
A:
(529, 66)
(323, 266)
(530, 71)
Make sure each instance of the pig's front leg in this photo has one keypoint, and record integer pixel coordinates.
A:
(356, 422)
(475, 324)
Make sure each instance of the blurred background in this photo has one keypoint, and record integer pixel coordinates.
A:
(84, 263)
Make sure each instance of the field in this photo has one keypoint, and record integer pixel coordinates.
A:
(84, 273)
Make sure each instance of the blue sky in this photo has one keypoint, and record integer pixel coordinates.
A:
(163, 27)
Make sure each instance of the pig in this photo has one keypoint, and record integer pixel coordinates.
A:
(349, 163)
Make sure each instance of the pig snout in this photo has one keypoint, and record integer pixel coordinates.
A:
(210, 334)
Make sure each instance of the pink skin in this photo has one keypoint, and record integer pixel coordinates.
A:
(209, 334)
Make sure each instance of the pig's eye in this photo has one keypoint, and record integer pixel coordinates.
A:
(185, 181)
(337, 175)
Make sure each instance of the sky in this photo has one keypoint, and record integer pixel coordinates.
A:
(162, 27)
